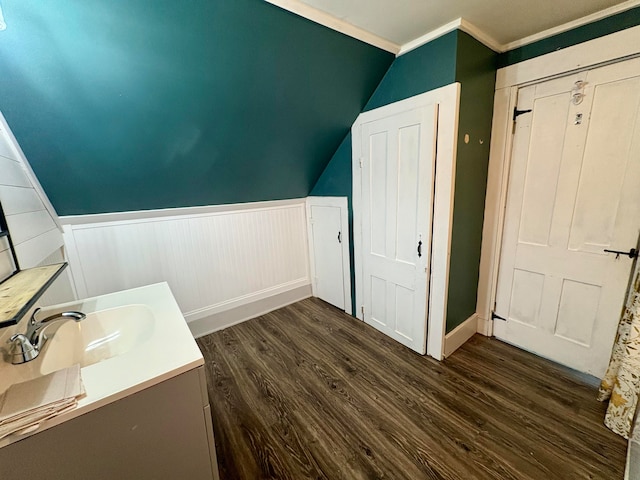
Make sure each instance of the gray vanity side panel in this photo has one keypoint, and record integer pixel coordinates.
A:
(212, 444)
(158, 433)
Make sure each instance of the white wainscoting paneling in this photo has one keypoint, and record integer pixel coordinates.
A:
(214, 261)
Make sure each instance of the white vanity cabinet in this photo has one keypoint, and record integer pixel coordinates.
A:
(146, 411)
(161, 432)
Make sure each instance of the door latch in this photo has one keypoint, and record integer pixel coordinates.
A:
(633, 253)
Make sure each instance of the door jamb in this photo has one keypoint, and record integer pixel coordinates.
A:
(342, 204)
(618, 46)
(448, 100)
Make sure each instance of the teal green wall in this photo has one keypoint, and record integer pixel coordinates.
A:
(615, 23)
(141, 104)
(433, 65)
(453, 57)
(476, 72)
(336, 181)
(430, 66)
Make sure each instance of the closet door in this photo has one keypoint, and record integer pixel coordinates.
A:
(328, 233)
(398, 162)
(573, 198)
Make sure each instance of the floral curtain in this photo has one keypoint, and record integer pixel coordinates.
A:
(621, 383)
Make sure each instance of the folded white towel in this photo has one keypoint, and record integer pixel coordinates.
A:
(25, 405)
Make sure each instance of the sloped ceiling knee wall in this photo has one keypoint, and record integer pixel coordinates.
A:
(144, 104)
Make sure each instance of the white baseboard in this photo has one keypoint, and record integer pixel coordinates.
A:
(459, 335)
(485, 326)
(242, 310)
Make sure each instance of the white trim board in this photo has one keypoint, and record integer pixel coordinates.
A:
(172, 213)
(495, 200)
(247, 310)
(617, 45)
(337, 24)
(459, 335)
(448, 99)
(343, 204)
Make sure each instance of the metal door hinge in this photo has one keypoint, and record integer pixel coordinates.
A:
(362, 310)
(495, 316)
(361, 162)
(517, 113)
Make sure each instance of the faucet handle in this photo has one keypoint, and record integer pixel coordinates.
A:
(22, 350)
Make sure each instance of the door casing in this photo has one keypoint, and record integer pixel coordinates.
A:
(448, 100)
(611, 48)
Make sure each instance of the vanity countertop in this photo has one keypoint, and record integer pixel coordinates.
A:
(168, 351)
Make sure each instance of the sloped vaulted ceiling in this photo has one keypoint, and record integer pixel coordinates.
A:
(140, 104)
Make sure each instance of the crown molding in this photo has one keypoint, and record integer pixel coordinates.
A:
(481, 36)
(457, 24)
(594, 17)
(429, 36)
(323, 18)
(342, 26)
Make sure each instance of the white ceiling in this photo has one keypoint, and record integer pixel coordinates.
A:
(504, 21)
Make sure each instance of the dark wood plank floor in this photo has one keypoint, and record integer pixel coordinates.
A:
(309, 392)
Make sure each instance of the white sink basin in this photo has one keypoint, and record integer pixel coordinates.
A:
(130, 341)
(102, 335)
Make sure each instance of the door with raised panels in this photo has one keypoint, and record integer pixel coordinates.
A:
(574, 192)
(398, 161)
(326, 229)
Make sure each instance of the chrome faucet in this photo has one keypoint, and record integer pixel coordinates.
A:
(28, 346)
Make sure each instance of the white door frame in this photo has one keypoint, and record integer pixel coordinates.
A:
(448, 99)
(342, 204)
(601, 51)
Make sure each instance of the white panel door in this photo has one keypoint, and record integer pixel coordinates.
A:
(326, 228)
(397, 203)
(574, 191)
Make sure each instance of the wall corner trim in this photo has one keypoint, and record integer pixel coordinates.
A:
(457, 24)
(481, 36)
(459, 335)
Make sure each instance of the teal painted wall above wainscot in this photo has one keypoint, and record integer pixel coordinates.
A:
(476, 72)
(453, 57)
(142, 104)
(430, 66)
